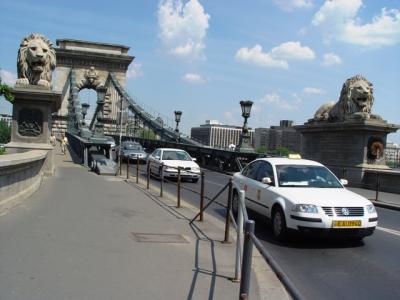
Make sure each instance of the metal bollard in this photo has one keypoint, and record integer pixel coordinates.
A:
(127, 168)
(246, 261)
(377, 186)
(161, 179)
(202, 197)
(239, 235)
(178, 184)
(148, 175)
(137, 169)
(228, 214)
(120, 165)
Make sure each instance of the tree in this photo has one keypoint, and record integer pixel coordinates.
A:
(5, 91)
(261, 149)
(5, 133)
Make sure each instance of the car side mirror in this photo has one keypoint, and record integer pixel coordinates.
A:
(157, 157)
(266, 180)
(194, 158)
(344, 181)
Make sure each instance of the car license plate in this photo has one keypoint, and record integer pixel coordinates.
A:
(347, 223)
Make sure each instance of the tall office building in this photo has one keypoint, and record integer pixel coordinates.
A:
(284, 135)
(218, 135)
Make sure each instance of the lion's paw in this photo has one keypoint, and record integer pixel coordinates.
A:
(22, 81)
(44, 83)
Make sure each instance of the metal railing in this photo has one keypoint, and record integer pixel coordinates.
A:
(374, 179)
(246, 238)
(249, 239)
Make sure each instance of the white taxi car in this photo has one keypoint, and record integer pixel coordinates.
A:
(303, 195)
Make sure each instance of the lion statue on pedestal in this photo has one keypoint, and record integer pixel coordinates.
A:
(355, 102)
(36, 61)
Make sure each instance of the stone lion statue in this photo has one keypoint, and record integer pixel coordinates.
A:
(355, 102)
(36, 61)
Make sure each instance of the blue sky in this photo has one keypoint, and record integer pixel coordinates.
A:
(203, 57)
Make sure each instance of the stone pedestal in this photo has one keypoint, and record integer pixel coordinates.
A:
(346, 144)
(32, 120)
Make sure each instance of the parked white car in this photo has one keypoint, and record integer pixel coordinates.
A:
(304, 196)
(172, 159)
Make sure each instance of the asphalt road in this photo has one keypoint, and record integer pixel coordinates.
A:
(324, 268)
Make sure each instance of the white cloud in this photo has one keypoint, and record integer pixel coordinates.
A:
(183, 27)
(339, 20)
(314, 91)
(276, 100)
(331, 59)
(278, 57)
(292, 50)
(289, 5)
(193, 78)
(259, 58)
(8, 77)
(134, 70)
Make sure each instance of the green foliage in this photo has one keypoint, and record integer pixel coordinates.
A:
(147, 134)
(261, 149)
(5, 133)
(2, 150)
(5, 91)
(393, 165)
(280, 151)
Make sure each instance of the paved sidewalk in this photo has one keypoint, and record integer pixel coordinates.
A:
(84, 236)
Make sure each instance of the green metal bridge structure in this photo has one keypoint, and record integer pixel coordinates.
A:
(102, 67)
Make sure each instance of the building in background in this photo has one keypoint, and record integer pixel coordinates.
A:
(217, 135)
(284, 135)
(392, 153)
(6, 118)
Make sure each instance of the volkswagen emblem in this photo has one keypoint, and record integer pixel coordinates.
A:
(345, 211)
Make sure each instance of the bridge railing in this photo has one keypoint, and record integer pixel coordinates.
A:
(243, 253)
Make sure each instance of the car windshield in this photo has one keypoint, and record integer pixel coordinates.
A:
(175, 155)
(306, 176)
(132, 147)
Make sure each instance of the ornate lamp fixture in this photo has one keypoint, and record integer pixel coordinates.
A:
(178, 115)
(85, 107)
(244, 142)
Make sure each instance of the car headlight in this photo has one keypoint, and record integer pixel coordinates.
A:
(305, 208)
(196, 169)
(371, 209)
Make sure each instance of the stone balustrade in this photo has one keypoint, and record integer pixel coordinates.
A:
(20, 176)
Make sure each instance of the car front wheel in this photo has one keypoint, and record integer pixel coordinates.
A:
(279, 224)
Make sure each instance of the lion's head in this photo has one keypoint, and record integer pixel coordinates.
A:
(36, 61)
(357, 95)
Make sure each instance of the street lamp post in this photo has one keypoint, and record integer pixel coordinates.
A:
(178, 115)
(244, 142)
(85, 107)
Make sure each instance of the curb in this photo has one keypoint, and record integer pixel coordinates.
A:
(385, 205)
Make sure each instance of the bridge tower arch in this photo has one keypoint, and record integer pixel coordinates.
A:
(85, 64)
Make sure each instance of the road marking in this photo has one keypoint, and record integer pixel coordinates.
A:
(214, 183)
(392, 231)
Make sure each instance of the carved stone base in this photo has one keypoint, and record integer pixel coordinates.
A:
(32, 120)
(343, 145)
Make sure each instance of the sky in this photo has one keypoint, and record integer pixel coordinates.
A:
(204, 56)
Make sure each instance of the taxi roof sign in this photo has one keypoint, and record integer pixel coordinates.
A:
(294, 156)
